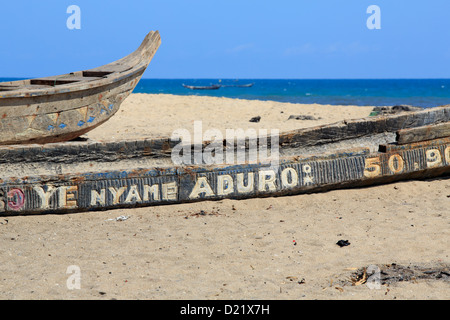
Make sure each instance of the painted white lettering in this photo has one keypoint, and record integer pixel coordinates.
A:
(307, 178)
(396, 163)
(267, 180)
(201, 186)
(287, 182)
(45, 195)
(99, 198)
(224, 185)
(447, 154)
(117, 193)
(151, 193)
(434, 158)
(170, 191)
(241, 188)
(68, 197)
(133, 195)
(372, 167)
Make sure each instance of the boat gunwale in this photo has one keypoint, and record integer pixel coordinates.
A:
(113, 77)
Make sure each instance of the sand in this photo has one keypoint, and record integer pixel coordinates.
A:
(273, 248)
(160, 115)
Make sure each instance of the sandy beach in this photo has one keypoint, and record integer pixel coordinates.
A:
(272, 248)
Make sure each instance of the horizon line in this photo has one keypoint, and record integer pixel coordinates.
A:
(234, 79)
(157, 78)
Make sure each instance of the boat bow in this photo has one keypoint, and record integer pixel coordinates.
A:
(61, 108)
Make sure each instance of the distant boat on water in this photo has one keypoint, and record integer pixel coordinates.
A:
(248, 85)
(218, 86)
(211, 87)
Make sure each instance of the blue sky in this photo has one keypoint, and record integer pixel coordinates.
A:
(296, 39)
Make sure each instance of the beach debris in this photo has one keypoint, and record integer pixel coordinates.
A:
(120, 218)
(255, 119)
(203, 213)
(393, 273)
(293, 278)
(393, 110)
(302, 117)
(4, 222)
(359, 278)
(343, 243)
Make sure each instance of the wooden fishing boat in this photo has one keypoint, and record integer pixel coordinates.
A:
(211, 87)
(78, 176)
(247, 85)
(61, 108)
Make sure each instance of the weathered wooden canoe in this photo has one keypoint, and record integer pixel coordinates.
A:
(61, 108)
(80, 176)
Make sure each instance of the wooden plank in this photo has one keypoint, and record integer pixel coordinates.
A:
(53, 81)
(112, 68)
(423, 133)
(350, 129)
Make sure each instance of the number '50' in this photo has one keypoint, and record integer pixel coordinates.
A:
(396, 164)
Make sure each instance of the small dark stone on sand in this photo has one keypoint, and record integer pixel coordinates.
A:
(343, 243)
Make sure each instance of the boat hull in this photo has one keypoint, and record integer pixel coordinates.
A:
(88, 175)
(111, 189)
(61, 108)
(73, 115)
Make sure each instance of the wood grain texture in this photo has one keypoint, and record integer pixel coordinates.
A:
(64, 107)
(423, 133)
(350, 129)
(177, 184)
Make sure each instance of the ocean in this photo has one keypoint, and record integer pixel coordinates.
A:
(416, 92)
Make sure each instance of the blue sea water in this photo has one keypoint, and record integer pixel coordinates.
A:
(423, 93)
(416, 92)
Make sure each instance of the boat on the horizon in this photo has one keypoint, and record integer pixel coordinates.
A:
(218, 86)
(62, 108)
(211, 87)
(247, 85)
